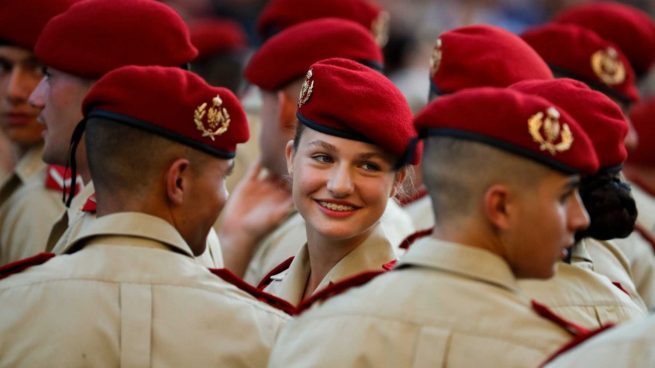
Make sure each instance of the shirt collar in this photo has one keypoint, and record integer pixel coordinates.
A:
(463, 260)
(132, 224)
(371, 254)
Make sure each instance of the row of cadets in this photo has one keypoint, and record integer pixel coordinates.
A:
(30, 196)
(506, 207)
(260, 233)
(72, 70)
(577, 50)
(132, 294)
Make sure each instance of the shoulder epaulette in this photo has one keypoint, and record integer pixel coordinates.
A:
(272, 300)
(57, 178)
(408, 241)
(646, 235)
(573, 328)
(90, 204)
(279, 268)
(577, 340)
(23, 264)
(337, 288)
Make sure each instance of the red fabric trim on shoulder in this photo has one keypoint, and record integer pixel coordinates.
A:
(23, 264)
(338, 288)
(272, 300)
(57, 178)
(90, 204)
(408, 241)
(277, 269)
(620, 286)
(575, 342)
(646, 235)
(420, 193)
(573, 328)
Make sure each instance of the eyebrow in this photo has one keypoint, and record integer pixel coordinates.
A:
(572, 183)
(323, 144)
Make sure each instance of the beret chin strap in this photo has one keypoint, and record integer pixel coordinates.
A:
(72, 163)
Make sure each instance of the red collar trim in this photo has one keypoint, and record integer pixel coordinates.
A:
(577, 340)
(573, 328)
(411, 239)
(90, 204)
(272, 300)
(277, 269)
(339, 287)
(58, 178)
(23, 264)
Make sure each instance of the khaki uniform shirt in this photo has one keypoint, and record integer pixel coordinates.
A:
(630, 345)
(421, 213)
(371, 255)
(75, 219)
(606, 259)
(131, 296)
(584, 297)
(444, 305)
(28, 209)
(289, 237)
(642, 264)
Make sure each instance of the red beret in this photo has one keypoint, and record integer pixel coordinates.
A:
(214, 36)
(642, 116)
(286, 56)
(281, 14)
(581, 54)
(482, 56)
(523, 124)
(173, 103)
(346, 99)
(597, 114)
(21, 22)
(96, 36)
(632, 30)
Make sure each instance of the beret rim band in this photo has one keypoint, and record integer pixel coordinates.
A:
(500, 144)
(331, 131)
(163, 132)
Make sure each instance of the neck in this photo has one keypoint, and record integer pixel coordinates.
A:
(468, 234)
(325, 253)
(642, 176)
(82, 163)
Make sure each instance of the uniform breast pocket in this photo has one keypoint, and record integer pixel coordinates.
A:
(432, 347)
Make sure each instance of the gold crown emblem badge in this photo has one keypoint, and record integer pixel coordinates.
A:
(553, 131)
(435, 58)
(380, 28)
(608, 67)
(306, 89)
(218, 119)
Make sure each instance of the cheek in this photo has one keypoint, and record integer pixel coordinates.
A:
(376, 190)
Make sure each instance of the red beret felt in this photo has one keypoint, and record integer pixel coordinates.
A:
(346, 99)
(173, 103)
(286, 56)
(482, 56)
(642, 116)
(581, 54)
(21, 22)
(214, 36)
(632, 30)
(281, 14)
(523, 124)
(597, 114)
(96, 36)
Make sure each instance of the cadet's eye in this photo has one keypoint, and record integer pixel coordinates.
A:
(370, 166)
(320, 157)
(5, 66)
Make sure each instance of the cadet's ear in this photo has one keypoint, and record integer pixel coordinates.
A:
(287, 108)
(176, 178)
(496, 203)
(289, 151)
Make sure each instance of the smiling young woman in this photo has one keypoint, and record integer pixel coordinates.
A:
(344, 165)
